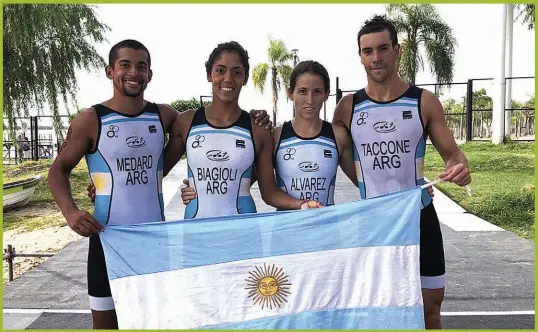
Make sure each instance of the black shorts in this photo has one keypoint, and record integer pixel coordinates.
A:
(432, 255)
(98, 284)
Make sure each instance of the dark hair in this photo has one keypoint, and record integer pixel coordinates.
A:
(311, 67)
(378, 23)
(231, 46)
(128, 43)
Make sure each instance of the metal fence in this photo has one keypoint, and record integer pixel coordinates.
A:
(10, 255)
(476, 124)
(36, 139)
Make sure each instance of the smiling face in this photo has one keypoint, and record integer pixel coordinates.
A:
(378, 55)
(227, 77)
(130, 73)
(308, 95)
(268, 286)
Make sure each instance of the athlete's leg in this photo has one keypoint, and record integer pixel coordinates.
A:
(101, 303)
(104, 320)
(432, 266)
(433, 298)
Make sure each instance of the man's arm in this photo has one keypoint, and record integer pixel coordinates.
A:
(266, 178)
(77, 142)
(342, 112)
(345, 146)
(175, 148)
(455, 161)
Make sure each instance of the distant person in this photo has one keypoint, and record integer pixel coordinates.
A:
(26, 148)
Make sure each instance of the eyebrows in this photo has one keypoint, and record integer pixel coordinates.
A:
(223, 66)
(301, 87)
(369, 48)
(127, 61)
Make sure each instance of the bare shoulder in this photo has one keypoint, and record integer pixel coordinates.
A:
(184, 120)
(186, 116)
(80, 137)
(168, 115)
(347, 99)
(88, 114)
(277, 131)
(340, 132)
(342, 112)
(86, 121)
(167, 110)
(430, 105)
(429, 99)
(346, 102)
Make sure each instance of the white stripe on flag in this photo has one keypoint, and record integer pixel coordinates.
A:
(217, 294)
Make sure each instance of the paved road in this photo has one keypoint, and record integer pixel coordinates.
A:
(490, 273)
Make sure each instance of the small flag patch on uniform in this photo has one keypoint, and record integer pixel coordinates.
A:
(407, 115)
(239, 143)
(327, 153)
(152, 129)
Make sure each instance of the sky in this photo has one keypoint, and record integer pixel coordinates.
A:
(180, 38)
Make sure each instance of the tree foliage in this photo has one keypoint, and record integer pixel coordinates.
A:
(526, 13)
(421, 25)
(279, 68)
(44, 46)
(184, 105)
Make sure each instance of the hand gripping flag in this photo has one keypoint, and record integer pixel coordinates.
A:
(348, 266)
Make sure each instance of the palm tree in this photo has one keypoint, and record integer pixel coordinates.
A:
(279, 56)
(421, 25)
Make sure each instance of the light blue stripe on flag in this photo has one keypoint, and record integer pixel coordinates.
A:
(343, 319)
(209, 241)
(348, 266)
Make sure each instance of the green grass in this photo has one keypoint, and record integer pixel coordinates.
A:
(42, 211)
(502, 184)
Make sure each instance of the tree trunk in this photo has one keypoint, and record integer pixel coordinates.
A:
(461, 126)
(481, 124)
(415, 63)
(275, 93)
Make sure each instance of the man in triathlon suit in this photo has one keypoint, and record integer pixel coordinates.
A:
(389, 121)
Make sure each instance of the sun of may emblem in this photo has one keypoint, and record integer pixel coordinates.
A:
(268, 286)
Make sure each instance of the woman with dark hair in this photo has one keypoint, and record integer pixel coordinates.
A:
(225, 150)
(307, 150)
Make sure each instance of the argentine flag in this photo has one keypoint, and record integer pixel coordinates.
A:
(348, 266)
